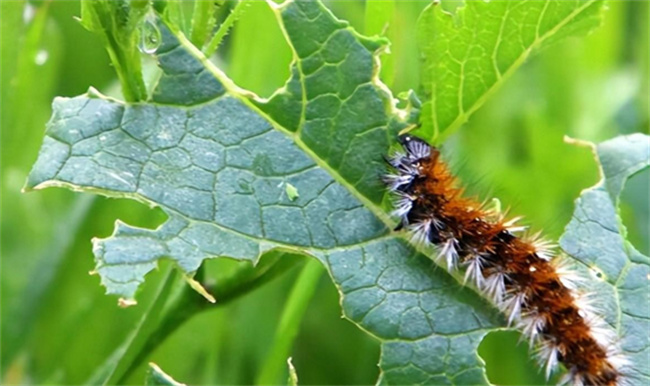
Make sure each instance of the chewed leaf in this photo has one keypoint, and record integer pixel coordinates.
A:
(219, 180)
(596, 238)
(217, 168)
(238, 175)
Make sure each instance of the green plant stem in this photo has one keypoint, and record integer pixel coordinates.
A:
(202, 22)
(128, 72)
(188, 303)
(236, 12)
(177, 14)
(294, 310)
(120, 40)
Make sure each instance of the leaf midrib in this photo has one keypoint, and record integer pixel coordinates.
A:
(242, 95)
(247, 97)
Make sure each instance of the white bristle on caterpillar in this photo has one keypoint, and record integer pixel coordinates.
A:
(495, 287)
(547, 354)
(402, 204)
(531, 326)
(511, 306)
(474, 271)
(420, 231)
(449, 254)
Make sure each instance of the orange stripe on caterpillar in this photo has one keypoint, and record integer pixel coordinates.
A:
(523, 276)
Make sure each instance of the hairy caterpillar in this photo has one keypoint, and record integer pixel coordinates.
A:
(522, 275)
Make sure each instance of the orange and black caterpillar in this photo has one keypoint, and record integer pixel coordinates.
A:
(522, 275)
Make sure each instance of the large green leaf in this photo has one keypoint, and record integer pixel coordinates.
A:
(618, 273)
(219, 161)
(468, 55)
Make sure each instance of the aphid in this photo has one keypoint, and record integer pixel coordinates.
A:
(523, 275)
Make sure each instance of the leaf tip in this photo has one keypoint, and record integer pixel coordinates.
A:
(31, 185)
(198, 287)
(96, 94)
(125, 303)
(293, 376)
(578, 142)
(96, 243)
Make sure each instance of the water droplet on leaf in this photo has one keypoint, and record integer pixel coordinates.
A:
(150, 37)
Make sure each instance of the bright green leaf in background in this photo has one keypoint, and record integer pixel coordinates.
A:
(219, 161)
(468, 55)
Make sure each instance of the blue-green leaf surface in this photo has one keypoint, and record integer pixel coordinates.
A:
(218, 160)
(618, 273)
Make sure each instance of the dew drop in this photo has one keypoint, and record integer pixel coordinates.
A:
(41, 57)
(150, 37)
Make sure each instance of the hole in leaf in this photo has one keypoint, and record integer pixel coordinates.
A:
(634, 209)
(131, 212)
(258, 55)
(509, 361)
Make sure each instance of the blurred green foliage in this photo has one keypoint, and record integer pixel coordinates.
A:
(58, 326)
